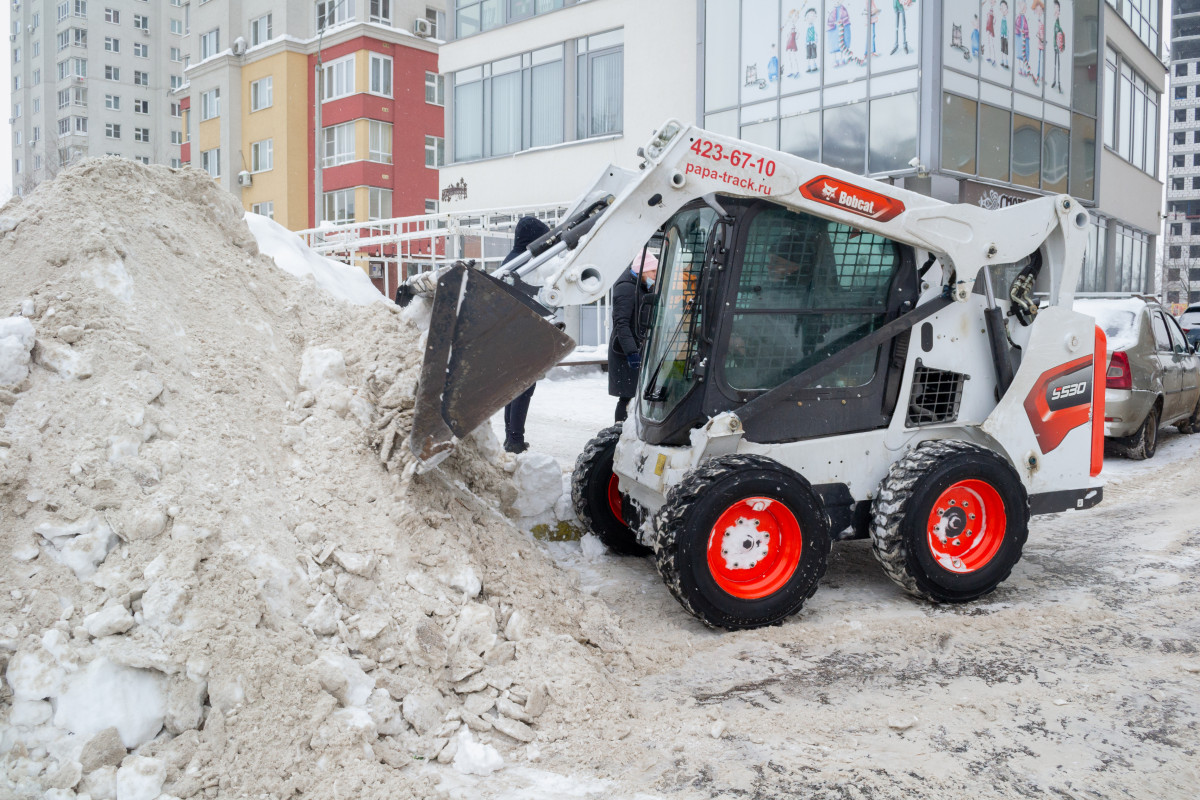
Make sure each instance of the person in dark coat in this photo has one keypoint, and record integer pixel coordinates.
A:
(625, 343)
(528, 230)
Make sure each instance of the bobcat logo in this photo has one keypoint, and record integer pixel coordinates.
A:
(829, 192)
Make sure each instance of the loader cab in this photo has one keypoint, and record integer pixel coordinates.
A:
(749, 300)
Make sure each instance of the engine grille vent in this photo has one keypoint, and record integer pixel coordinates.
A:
(936, 396)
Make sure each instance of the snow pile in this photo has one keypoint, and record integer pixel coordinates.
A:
(221, 576)
(341, 280)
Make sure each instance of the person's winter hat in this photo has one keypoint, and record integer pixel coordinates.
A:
(529, 229)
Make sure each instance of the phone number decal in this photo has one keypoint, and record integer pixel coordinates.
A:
(735, 158)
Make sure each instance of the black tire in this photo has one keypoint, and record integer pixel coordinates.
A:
(1144, 443)
(685, 523)
(589, 493)
(1192, 423)
(901, 513)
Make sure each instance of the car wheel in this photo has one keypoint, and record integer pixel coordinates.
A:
(1144, 443)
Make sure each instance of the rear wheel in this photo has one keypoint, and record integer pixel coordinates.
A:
(597, 498)
(1192, 423)
(741, 542)
(1144, 443)
(950, 521)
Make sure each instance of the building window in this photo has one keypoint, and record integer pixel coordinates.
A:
(112, 45)
(339, 206)
(210, 161)
(112, 73)
(381, 11)
(1195, 228)
(1142, 17)
(436, 20)
(1181, 115)
(177, 27)
(142, 159)
(1179, 137)
(112, 130)
(1181, 93)
(1174, 251)
(380, 142)
(598, 85)
(112, 102)
(141, 50)
(435, 147)
(81, 124)
(431, 206)
(474, 16)
(141, 134)
(110, 15)
(176, 109)
(262, 93)
(79, 8)
(379, 203)
(62, 40)
(337, 78)
(1181, 70)
(1177, 184)
(1177, 229)
(141, 106)
(1131, 114)
(176, 82)
(176, 54)
(435, 89)
(16, 82)
(380, 75)
(333, 12)
(338, 144)
(143, 79)
(262, 155)
(1176, 161)
(523, 97)
(141, 21)
(176, 137)
(266, 209)
(210, 104)
(260, 30)
(210, 43)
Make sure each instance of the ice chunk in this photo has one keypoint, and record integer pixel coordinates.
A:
(113, 278)
(108, 695)
(111, 619)
(591, 546)
(323, 618)
(289, 253)
(423, 708)
(476, 631)
(321, 365)
(16, 340)
(538, 479)
(80, 545)
(358, 685)
(34, 675)
(30, 713)
(63, 360)
(141, 778)
(476, 758)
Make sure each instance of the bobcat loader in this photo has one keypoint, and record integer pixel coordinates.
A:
(828, 359)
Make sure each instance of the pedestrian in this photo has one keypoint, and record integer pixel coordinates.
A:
(527, 231)
(625, 342)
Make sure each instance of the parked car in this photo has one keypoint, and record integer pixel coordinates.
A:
(1153, 375)
(1190, 322)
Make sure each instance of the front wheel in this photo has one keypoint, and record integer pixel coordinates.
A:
(950, 521)
(598, 500)
(741, 542)
(1192, 423)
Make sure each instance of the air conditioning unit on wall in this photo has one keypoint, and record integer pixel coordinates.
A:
(239, 46)
(245, 178)
(422, 27)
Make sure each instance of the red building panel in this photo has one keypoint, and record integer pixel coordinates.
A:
(412, 119)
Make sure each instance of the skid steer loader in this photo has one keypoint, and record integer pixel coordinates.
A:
(828, 359)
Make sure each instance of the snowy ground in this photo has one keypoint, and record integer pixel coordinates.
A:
(1079, 677)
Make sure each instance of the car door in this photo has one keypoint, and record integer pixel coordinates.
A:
(1189, 368)
(1169, 366)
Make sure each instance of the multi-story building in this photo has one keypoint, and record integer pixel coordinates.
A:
(991, 102)
(1181, 252)
(252, 121)
(93, 77)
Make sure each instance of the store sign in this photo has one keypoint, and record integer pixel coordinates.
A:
(855, 199)
(455, 191)
(991, 197)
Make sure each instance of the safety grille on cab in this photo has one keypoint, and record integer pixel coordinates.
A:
(936, 396)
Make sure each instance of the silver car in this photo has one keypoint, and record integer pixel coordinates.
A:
(1153, 375)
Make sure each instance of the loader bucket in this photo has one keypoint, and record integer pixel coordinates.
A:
(487, 343)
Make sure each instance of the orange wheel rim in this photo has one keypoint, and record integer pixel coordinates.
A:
(614, 497)
(966, 526)
(754, 548)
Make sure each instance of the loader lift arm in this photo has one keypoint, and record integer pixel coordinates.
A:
(488, 342)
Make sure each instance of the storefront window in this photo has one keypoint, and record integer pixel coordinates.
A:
(994, 132)
(1055, 152)
(844, 135)
(958, 134)
(1027, 151)
(893, 141)
(801, 135)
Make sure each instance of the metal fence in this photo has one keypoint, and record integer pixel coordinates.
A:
(391, 250)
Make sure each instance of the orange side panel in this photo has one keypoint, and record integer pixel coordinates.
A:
(1099, 379)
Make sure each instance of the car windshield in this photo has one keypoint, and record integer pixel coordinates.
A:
(1118, 319)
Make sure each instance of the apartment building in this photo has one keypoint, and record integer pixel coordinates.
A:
(986, 102)
(94, 77)
(1181, 254)
(368, 150)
